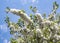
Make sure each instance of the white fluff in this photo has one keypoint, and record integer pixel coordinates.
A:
(21, 14)
(40, 18)
(47, 22)
(25, 17)
(15, 11)
(57, 37)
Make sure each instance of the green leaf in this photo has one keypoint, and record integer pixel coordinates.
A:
(7, 19)
(44, 15)
(34, 10)
(30, 7)
(13, 40)
(23, 11)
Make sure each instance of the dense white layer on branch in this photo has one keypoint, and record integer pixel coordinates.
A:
(47, 23)
(24, 16)
(39, 17)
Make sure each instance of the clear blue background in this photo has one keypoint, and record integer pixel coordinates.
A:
(43, 6)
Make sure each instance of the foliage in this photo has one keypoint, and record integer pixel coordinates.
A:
(35, 29)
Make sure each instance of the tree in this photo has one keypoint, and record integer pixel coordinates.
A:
(34, 29)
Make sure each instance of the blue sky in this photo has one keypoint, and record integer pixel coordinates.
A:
(43, 6)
